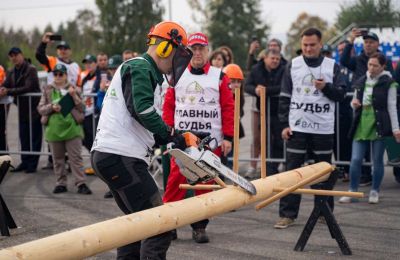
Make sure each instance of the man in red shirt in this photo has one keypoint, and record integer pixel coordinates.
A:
(200, 101)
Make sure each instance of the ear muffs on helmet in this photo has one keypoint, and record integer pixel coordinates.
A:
(164, 49)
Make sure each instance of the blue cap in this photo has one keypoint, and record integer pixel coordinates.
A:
(14, 50)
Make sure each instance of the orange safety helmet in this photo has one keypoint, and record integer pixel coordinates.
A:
(233, 71)
(165, 29)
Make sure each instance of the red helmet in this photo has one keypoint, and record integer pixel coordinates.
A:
(169, 31)
(233, 71)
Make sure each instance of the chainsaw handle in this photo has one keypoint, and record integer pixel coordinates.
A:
(191, 139)
(205, 143)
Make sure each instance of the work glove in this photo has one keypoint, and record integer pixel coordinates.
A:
(163, 141)
(178, 141)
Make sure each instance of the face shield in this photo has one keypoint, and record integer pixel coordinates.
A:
(180, 62)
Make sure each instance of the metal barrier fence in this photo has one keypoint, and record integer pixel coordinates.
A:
(45, 151)
(13, 127)
(336, 161)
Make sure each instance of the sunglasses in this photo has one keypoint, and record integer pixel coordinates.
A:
(58, 74)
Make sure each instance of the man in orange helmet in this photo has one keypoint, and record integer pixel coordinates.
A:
(129, 126)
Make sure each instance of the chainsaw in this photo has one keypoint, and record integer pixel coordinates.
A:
(199, 164)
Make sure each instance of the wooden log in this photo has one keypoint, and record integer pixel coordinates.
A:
(199, 187)
(324, 192)
(236, 131)
(263, 134)
(104, 236)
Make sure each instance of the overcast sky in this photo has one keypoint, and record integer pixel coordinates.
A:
(278, 13)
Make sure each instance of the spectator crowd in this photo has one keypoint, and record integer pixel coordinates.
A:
(320, 108)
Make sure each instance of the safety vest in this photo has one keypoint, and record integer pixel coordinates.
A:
(2, 75)
(197, 103)
(73, 70)
(118, 132)
(87, 88)
(310, 110)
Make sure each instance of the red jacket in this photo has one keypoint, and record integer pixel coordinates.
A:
(226, 102)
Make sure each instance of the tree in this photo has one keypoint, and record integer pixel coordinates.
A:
(125, 24)
(14, 38)
(200, 13)
(121, 24)
(376, 13)
(232, 23)
(303, 22)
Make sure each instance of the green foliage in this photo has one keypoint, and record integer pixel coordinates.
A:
(233, 23)
(376, 13)
(125, 24)
(303, 22)
(10, 38)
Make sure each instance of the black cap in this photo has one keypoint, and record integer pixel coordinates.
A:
(63, 44)
(371, 35)
(14, 50)
(326, 48)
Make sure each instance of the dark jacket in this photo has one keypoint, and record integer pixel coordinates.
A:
(359, 64)
(379, 103)
(96, 85)
(335, 91)
(20, 81)
(397, 73)
(259, 75)
(252, 61)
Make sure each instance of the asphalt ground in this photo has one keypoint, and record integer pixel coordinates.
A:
(372, 231)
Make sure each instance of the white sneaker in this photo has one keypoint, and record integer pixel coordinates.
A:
(373, 197)
(250, 173)
(345, 199)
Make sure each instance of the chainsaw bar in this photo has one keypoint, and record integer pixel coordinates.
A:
(198, 166)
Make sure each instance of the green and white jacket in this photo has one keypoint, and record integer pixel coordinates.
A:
(129, 119)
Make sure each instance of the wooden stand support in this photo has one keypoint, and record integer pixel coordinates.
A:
(199, 187)
(263, 134)
(220, 182)
(236, 142)
(291, 189)
(324, 192)
(6, 219)
(321, 208)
